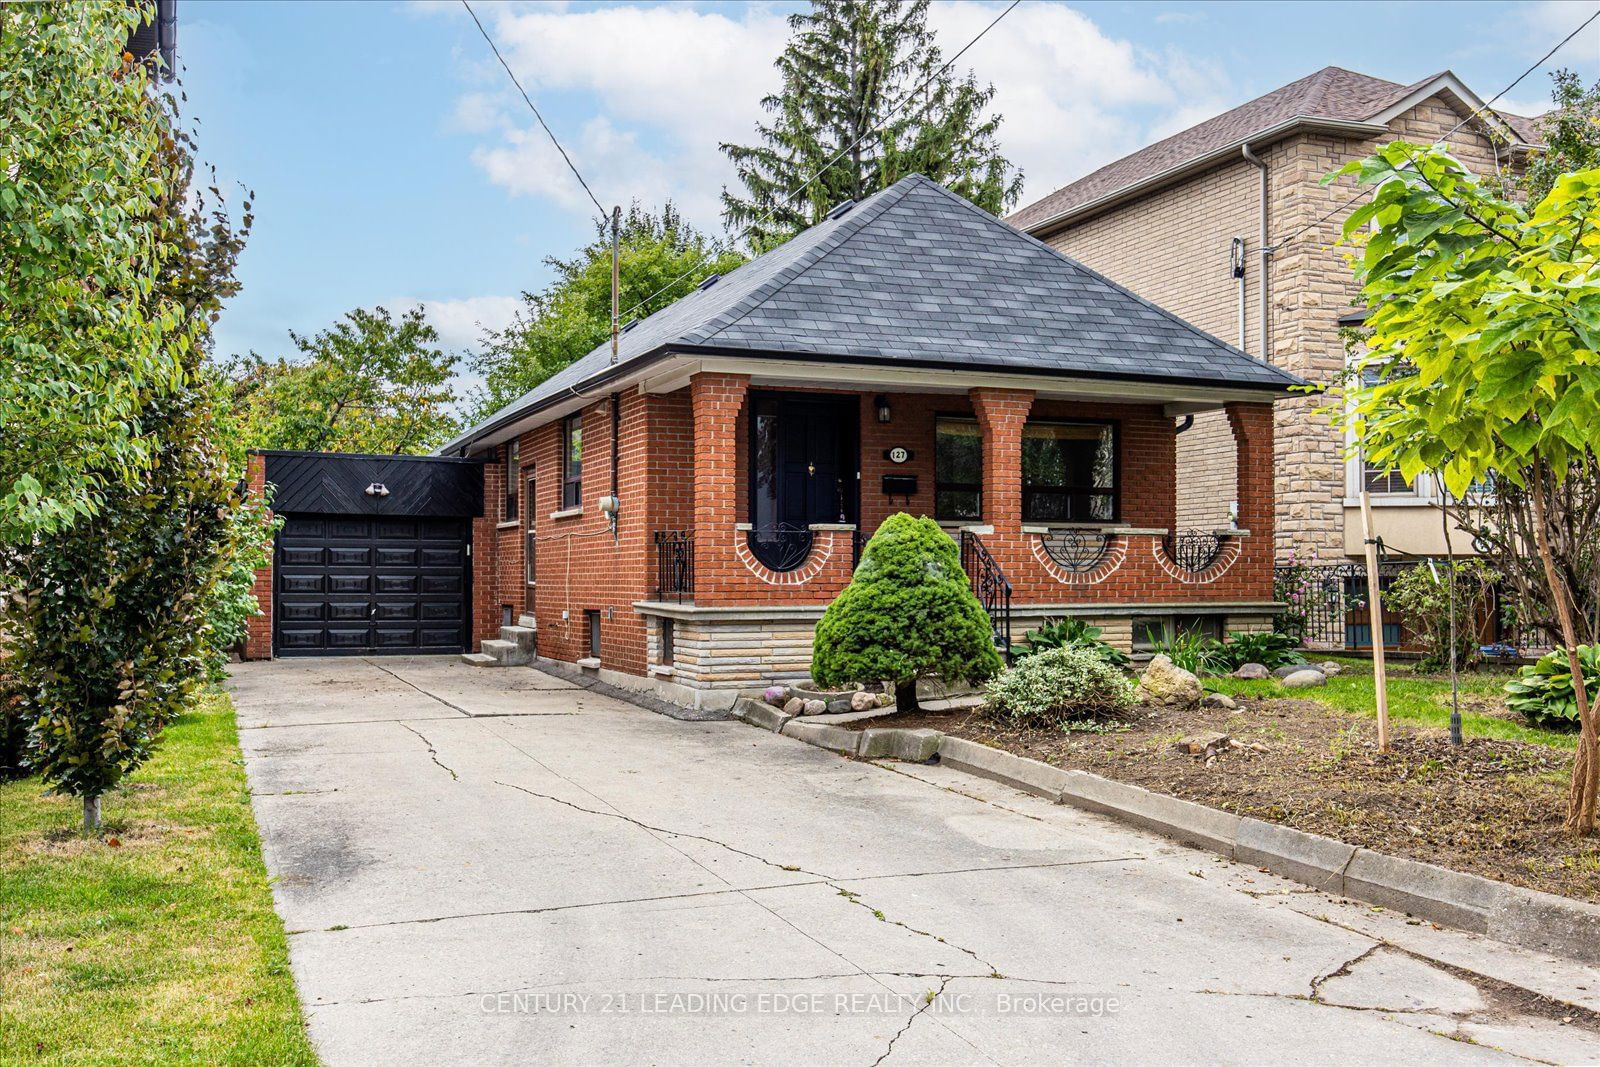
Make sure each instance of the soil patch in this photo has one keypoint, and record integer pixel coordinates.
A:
(1490, 807)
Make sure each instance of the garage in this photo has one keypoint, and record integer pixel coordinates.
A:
(374, 554)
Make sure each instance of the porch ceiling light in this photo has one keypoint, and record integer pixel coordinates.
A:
(882, 403)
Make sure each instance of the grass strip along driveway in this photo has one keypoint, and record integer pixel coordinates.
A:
(155, 942)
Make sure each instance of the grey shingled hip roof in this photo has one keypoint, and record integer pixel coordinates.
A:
(916, 276)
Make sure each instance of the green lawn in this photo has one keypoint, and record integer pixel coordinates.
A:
(161, 948)
(1419, 700)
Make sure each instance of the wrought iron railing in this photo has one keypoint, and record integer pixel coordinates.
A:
(674, 565)
(781, 546)
(1193, 550)
(990, 586)
(858, 542)
(1327, 604)
(1076, 550)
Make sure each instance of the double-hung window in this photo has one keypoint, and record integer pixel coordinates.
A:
(957, 470)
(1069, 471)
(572, 461)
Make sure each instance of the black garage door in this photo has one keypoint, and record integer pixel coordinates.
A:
(360, 584)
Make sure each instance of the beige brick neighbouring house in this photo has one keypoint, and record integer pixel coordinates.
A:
(1173, 220)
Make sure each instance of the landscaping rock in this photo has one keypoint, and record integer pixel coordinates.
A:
(885, 699)
(863, 701)
(1288, 669)
(841, 705)
(1219, 700)
(1207, 745)
(794, 706)
(1330, 668)
(776, 695)
(1305, 678)
(1166, 685)
(814, 707)
(1252, 672)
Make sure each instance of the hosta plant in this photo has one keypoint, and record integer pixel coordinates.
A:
(1070, 633)
(1542, 692)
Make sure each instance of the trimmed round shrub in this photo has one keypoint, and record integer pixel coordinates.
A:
(1059, 685)
(908, 613)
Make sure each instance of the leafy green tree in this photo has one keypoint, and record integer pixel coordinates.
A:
(108, 622)
(662, 258)
(1485, 346)
(84, 340)
(370, 383)
(848, 67)
(908, 613)
(1571, 131)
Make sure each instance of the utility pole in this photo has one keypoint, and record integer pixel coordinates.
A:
(616, 278)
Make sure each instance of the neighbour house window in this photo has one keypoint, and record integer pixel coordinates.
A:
(1376, 479)
(1069, 471)
(957, 469)
(513, 476)
(572, 462)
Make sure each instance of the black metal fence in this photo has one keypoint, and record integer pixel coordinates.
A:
(674, 565)
(1327, 607)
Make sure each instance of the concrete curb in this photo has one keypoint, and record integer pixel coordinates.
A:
(1527, 918)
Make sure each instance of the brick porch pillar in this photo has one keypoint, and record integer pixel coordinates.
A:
(1001, 413)
(258, 638)
(715, 400)
(1252, 435)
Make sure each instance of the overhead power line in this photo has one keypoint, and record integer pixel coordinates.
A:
(1368, 191)
(903, 101)
(529, 101)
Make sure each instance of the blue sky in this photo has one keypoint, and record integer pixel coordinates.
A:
(392, 164)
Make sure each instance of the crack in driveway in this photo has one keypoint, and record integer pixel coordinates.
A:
(433, 753)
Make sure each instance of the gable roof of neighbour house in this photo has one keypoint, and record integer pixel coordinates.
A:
(915, 276)
(1331, 99)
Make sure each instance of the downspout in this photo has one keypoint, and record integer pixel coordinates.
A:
(1266, 251)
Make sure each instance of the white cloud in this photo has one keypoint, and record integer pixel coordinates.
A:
(461, 323)
(655, 88)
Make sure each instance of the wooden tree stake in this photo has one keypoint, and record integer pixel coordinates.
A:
(1375, 613)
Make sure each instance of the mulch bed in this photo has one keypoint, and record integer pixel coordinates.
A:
(1492, 808)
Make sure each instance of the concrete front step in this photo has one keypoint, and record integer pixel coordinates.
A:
(521, 636)
(529, 621)
(508, 653)
(478, 659)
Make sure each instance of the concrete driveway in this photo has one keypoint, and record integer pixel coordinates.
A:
(494, 866)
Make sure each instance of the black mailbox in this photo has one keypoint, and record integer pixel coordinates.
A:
(899, 485)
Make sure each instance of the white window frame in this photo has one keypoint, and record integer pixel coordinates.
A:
(1421, 494)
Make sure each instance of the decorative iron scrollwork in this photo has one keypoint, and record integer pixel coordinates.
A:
(1194, 550)
(782, 547)
(1079, 551)
(990, 586)
(674, 565)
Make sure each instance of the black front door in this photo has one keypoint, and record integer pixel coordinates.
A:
(803, 470)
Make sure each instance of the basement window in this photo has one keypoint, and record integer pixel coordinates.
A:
(666, 642)
(593, 618)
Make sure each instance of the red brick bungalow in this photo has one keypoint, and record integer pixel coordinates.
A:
(678, 517)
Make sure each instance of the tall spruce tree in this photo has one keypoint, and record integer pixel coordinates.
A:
(848, 65)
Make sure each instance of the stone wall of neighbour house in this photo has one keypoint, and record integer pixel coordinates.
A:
(258, 640)
(1171, 247)
(582, 564)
